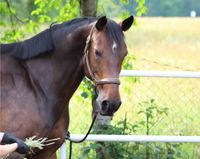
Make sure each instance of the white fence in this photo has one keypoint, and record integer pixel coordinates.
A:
(141, 138)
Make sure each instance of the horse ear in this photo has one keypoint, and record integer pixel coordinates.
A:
(126, 24)
(101, 23)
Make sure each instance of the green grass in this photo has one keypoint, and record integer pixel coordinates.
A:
(157, 44)
(172, 41)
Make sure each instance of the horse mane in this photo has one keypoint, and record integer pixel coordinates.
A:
(39, 44)
(42, 43)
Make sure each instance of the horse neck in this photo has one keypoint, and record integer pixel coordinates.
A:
(58, 75)
(72, 58)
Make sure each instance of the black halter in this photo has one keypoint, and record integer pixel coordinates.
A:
(92, 75)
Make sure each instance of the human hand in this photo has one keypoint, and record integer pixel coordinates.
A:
(9, 139)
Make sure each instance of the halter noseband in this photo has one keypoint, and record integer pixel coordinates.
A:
(86, 56)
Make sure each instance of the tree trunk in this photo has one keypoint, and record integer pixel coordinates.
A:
(88, 8)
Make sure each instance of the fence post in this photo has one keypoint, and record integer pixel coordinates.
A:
(63, 151)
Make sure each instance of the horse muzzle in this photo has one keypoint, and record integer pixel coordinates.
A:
(105, 106)
(107, 98)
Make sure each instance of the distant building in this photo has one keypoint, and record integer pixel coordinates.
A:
(193, 14)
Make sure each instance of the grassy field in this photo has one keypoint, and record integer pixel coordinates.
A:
(172, 41)
(157, 44)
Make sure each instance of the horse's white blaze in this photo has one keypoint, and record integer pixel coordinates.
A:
(114, 47)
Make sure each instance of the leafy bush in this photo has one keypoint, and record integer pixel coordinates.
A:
(119, 150)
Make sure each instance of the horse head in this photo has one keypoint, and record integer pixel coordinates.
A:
(104, 53)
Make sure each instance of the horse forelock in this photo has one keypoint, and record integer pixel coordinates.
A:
(114, 33)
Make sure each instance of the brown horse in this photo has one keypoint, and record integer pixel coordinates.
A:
(39, 76)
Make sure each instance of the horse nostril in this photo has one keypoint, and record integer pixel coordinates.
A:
(105, 105)
(117, 105)
(108, 107)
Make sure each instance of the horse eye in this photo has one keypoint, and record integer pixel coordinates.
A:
(97, 53)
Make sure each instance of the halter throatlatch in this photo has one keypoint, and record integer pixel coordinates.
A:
(109, 80)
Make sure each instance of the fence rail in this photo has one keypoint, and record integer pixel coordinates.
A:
(136, 138)
(166, 74)
(139, 138)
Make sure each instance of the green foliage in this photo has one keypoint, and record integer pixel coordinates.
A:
(43, 12)
(128, 63)
(155, 7)
(141, 8)
(3, 8)
(152, 116)
(87, 89)
(25, 17)
(152, 113)
(122, 8)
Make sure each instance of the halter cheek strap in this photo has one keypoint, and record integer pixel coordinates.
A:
(92, 75)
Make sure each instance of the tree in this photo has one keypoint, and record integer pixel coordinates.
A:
(25, 17)
(88, 8)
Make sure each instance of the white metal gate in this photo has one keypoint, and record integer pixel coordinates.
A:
(141, 138)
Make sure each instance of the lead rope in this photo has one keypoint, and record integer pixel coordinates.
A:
(82, 140)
